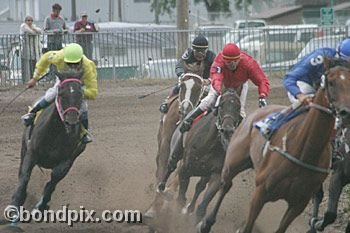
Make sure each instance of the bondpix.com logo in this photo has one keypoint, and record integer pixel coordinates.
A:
(65, 215)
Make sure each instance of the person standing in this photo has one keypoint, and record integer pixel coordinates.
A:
(31, 48)
(84, 37)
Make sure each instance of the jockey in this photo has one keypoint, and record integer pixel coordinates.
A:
(69, 58)
(302, 81)
(231, 68)
(305, 76)
(196, 55)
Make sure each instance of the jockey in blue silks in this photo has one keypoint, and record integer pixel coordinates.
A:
(301, 82)
(305, 76)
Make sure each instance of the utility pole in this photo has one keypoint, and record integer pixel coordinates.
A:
(182, 25)
(74, 11)
(156, 12)
(111, 9)
(120, 16)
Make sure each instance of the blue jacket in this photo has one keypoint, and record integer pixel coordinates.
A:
(309, 69)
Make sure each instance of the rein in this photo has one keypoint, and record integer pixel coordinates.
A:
(62, 112)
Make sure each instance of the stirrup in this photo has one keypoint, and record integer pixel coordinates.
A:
(163, 108)
(87, 138)
(28, 119)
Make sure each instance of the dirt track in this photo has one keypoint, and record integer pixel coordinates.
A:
(117, 169)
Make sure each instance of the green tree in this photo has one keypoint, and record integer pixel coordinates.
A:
(239, 4)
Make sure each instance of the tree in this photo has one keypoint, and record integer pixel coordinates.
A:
(161, 7)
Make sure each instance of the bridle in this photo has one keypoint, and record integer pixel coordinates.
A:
(220, 119)
(62, 112)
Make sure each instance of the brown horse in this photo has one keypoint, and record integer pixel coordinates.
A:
(339, 179)
(294, 164)
(205, 146)
(192, 89)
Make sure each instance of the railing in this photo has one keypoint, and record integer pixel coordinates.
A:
(153, 54)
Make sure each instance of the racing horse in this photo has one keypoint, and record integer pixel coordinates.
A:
(339, 179)
(204, 147)
(54, 141)
(192, 89)
(295, 162)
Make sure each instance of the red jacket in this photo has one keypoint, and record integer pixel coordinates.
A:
(247, 68)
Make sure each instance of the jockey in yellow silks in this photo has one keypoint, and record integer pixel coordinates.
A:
(69, 58)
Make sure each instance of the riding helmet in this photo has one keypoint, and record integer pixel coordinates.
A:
(343, 49)
(73, 53)
(231, 52)
(200, 42)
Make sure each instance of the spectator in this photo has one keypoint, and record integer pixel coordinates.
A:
(83, 26)
(30, 47)
(55, 26)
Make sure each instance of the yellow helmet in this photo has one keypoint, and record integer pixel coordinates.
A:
(73, 53)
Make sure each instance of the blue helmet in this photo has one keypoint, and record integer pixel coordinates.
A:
(343, 49)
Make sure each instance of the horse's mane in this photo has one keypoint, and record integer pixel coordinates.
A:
(333, 62)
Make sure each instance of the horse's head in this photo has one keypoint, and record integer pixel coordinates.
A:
(191, 91)
(336, 82)
(228, 115)
(69, 100)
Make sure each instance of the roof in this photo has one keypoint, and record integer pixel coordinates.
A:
(276, 12)
(342, 6)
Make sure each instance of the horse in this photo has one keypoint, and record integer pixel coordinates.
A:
(54, 141)
(192, 89)
(293, 164)
(205, 145)
(339, 179)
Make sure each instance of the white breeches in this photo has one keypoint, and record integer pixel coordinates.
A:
(305, 88)
(210, 99)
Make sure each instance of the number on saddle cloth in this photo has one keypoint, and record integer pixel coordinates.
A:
(270, 124)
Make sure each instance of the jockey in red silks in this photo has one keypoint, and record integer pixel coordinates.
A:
(231, 68)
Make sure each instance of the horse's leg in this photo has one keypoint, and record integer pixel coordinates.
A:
(200, 186)
(213, 188)
(336, 184)
(57, 174)
(316, 201)
(240, 163)
(176, 153)
(184, 180)
(25, 171)
(292, 212)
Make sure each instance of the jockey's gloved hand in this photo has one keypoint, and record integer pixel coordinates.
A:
(262, 102)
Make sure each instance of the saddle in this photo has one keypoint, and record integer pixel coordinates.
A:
(270, 124)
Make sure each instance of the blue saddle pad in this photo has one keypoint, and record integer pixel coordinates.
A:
(268, 125)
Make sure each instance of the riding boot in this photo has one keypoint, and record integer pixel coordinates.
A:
(163, 108)
(187, 122)
(87, 138)
(28, 118)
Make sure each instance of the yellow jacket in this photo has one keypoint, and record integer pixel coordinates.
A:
(89, 78)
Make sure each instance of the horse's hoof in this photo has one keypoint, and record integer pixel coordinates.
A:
(201, 228)
(161, 187)
(319, 225)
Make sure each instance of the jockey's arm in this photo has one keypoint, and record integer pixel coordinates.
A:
(42, 66)
(89, 79)
(257, 76)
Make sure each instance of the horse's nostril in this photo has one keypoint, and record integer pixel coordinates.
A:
(343, 113)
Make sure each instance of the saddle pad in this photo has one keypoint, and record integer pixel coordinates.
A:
(270, 124)
(198, 118)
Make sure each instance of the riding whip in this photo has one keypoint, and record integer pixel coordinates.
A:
(163, 89)
(19, 94)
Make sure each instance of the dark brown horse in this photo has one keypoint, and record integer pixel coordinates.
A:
(55, 140)
(192, 88)
(205, 146)
(294, 164)
(339, 179)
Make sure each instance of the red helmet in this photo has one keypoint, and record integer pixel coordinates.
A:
(231, 52)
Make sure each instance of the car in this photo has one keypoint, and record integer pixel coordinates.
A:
(249, 23)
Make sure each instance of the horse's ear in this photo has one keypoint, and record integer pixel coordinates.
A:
(326, 63)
